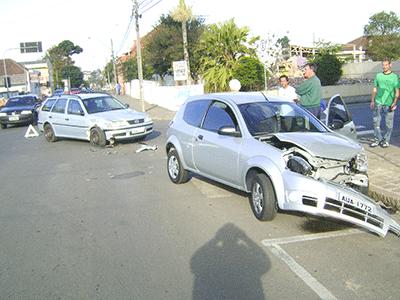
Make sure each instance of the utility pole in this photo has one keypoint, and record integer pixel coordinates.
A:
(5, 76)
(113, 61)
(139, 54)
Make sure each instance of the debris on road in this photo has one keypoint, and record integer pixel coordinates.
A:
(145, 147)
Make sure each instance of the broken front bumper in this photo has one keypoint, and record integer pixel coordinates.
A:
(329, 199)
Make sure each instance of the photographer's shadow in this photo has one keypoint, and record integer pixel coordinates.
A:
(229, 266)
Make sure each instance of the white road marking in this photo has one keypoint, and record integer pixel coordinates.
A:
(313, 283)
(309, 237)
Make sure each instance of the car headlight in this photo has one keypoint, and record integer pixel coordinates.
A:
(361, 162)
(116, 124)
(147, 119)
(3, 114)
(26, 112)
(299, 165)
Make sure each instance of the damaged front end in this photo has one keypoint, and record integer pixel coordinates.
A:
(331, 186)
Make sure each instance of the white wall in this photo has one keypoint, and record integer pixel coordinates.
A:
(366, 69)
(169, 97)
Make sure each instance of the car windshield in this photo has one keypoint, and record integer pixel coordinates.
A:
(102, 104)
(263, 118)
(21, 101)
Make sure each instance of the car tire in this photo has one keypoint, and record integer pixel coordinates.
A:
(262, 197)
(97, 137)
(3, 126)
(49, 133)
(176, 172)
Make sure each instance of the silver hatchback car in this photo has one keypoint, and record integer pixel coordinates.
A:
(95, 117)
(277, 152)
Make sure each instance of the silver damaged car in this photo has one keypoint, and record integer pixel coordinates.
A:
(278, 153)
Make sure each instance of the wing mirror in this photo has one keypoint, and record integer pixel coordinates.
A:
(229, 131)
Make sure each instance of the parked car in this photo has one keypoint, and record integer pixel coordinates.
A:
(98, 118)
(19, 110)
(277, 152)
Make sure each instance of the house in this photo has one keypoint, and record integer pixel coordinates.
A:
(15, 78)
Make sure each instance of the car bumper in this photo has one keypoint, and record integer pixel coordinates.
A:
(17, 119)
(330, 199)
(130, 132)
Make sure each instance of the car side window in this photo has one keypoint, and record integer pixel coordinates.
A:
(59, 106)
(194, 112)
(74, 108)
(218, 115)
(49, 103)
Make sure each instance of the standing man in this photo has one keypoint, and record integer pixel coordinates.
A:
(117, 88)
(310, 90)
(383, 103)
(286, 91)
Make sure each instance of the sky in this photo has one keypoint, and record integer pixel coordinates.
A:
(92, 24)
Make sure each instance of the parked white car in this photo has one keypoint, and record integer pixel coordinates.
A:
(277, 152)
(98, 118)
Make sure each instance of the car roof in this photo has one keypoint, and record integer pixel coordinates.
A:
(23, 96)
(82, 96)
(239, 97)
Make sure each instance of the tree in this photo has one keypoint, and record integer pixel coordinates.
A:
(329, 68)
(73, 74)
(183, 14)
(249, 71)
(60, 56)
(220, 48)
(163, 45)
(383, 32)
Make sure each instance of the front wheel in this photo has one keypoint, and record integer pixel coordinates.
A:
(97, 137)
(262, 198)
(176, 172)
(49, 133)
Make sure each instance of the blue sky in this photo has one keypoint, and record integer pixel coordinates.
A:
(52, 21)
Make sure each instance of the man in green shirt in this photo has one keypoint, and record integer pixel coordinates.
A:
(310, 90)
(383, 103)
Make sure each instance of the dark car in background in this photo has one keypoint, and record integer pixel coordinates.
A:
(19, 110)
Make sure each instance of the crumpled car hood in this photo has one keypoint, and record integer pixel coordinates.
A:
(327, 145)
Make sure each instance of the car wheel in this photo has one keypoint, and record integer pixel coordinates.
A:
(3, 126)
(262, 198)
(97, 137)
(176, 172)
(49, 133)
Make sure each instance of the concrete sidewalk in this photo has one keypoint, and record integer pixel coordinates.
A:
(383, 163)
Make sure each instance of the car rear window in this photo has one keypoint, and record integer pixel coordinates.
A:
(194, 112)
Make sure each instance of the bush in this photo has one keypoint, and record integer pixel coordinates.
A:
(250, 72)
(329, 69)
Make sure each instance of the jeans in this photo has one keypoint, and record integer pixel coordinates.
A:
(379, 112)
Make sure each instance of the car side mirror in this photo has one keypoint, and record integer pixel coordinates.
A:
(336, 124)
(229, 131)
(126, 105)
(82, 113)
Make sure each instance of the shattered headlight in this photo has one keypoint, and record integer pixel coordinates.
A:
(299, 165)
(361, 162)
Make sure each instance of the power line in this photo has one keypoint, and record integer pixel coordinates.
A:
(141, 13)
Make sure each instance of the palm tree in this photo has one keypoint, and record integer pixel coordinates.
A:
(183, 13)
(220, 48)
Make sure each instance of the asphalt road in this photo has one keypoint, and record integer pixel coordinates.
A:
(362, 117)
(85, 223)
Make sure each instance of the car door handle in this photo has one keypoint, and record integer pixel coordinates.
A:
(50, 117)
(200, 137)
(66, 119)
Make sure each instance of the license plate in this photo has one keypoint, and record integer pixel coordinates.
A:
(13, 118)
(137, 130)
(356, 203)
